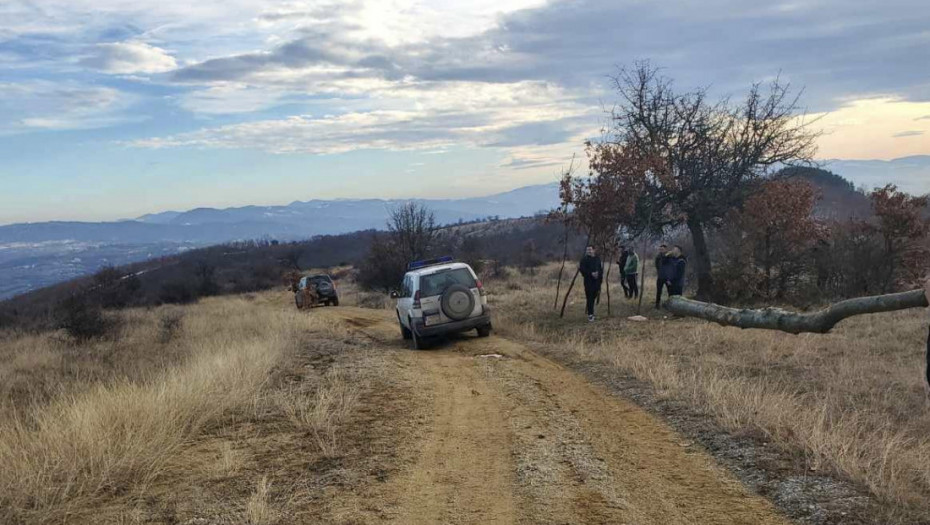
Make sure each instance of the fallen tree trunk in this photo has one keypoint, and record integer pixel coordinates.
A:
(777, 319)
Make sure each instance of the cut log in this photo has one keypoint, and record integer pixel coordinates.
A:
(819, 322)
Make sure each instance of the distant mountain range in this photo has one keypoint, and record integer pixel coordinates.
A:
(33, 255)
(297, 220)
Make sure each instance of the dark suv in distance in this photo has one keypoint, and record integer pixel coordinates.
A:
(316, 290)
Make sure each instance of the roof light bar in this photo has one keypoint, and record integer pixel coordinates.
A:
(429, 262)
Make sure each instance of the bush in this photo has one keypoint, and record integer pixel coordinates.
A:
(115, 290)
(376, 301)
(169, 325)
(472, 252)
(82, 319)
(179, 292)
(496, 270)
(383, 269)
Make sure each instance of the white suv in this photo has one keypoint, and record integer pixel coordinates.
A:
(440, 297)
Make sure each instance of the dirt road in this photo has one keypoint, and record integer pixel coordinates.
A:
(504, 435)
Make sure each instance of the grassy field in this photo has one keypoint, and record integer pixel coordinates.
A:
(107, 421)
(852, 402)
(174, 399)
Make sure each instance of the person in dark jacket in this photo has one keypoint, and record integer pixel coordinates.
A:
(592, 270)
(675, 262)
(661, 279)
(621, 262)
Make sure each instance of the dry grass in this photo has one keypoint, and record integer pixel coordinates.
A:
(37, 368)
(323, 410)
(258, 510)
(113, 430)
(852, 402)
(178, 412)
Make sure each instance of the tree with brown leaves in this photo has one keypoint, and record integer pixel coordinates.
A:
(780, 228)
(713, 153)
(900, 223)
(612, 196)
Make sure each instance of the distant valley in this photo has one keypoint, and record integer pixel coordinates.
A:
(34, 255)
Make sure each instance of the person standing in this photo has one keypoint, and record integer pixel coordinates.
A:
(621, 262)
(661, 279)
(592, 271)
(676, 263)
(631, 274)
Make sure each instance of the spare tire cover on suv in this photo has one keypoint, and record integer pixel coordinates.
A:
(457, 302)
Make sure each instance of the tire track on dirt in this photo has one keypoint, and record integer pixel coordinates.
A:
(463, 472)
(520, 439)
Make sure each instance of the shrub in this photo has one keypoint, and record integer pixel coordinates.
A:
(383, 269)
(169, 324)
(179, 292)
(376, 301)
(82, 319)
(115, 290)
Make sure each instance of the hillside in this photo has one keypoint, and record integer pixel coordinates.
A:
(241, 267)
(35, 255)
(246, 266)
(839, 198)
(242, 409)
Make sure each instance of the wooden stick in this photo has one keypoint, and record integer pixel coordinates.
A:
(606, 277)
(570, 286)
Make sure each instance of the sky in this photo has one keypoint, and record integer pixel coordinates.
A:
(112, 109)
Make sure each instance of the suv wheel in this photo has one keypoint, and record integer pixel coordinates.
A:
(335, 301)
(297, 301)
(404, 331)
(484, 331)
(418, 343)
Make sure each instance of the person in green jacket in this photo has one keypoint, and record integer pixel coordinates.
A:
(631, 273)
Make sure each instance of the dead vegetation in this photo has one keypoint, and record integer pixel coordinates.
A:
(851, 402)
(323, 410)
(106, 417)
(236, 410)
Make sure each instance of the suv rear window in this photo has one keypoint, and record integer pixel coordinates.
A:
(435, 283)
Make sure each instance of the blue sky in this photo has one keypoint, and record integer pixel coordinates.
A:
(116, 108)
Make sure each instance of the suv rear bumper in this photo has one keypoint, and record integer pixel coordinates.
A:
(454, 326)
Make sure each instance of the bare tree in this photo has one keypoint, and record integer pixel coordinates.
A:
(712, 152)
(412, 234)
(291, 257)
(413, 229)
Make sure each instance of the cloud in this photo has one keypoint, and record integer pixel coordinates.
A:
(230, 98)
(44, 105)
(418, 116)
(909, 133)
(868, 129)
(125, 58)
(523, 164)
(544, 43)
(437, 72)
(925, 117)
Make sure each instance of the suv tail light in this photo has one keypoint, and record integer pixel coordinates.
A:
(416, 299)
(480, 288)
